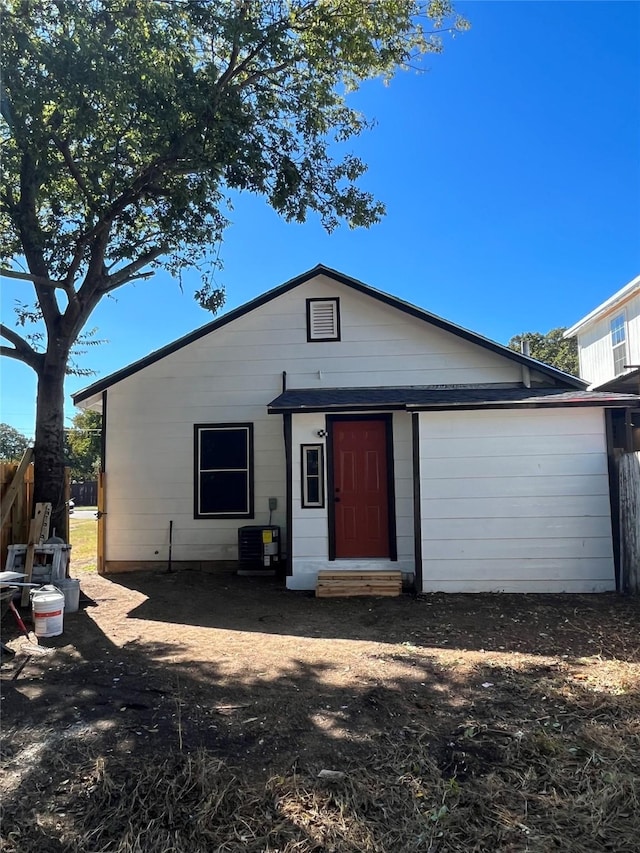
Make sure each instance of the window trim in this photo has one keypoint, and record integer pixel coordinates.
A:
(621, 346)
(336, 301)
(197, 471)
(304, 490)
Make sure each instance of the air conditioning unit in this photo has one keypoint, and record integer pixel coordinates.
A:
(258, 549)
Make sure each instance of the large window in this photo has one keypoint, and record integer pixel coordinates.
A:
(223, 471)
(619, 343)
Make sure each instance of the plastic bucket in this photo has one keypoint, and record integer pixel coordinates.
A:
(70, 588)
(47, 606)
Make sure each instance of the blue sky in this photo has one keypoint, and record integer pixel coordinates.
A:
(511, 175)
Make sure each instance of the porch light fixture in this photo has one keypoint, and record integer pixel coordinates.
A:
(322, 433)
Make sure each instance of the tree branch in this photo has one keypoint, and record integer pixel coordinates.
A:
(35, 279)
(31, 238)
(63, 148)
(265, 72)
(130, 272)
(233, 70)
(23, 351)
(235, 50)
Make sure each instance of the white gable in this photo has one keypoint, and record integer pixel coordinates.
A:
(379, 346)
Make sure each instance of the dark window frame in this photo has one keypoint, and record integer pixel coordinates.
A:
(304, 475)
(336, 301)
(197, 470)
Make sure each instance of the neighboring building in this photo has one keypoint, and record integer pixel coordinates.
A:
(609, 356)
(609, 341)
(374, 434)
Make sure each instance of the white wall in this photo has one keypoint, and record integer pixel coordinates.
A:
(515, 501)
(231, 375)
(310, 525)
(594, 343)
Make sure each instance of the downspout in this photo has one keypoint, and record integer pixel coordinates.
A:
(286, 427)
(614, 500)
(417, 504)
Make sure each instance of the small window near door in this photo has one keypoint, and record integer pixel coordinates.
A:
(619, 343)
(312, 475)
(323, 319)
(223, 471)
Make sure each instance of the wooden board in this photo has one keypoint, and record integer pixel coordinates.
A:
(348, 583)
(45, 523)
(16, 484)
(355, 592)
(42, 516)
(354, 575)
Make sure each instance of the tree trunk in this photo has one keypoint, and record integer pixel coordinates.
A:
(49, 444)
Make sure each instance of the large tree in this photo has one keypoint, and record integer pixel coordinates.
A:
(83, 445)
(126, 122)
(551, 348)
(12, 444)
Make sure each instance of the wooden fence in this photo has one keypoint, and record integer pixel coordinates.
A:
(15, 526)
(15, 529)
(629, 485)
(85, 494)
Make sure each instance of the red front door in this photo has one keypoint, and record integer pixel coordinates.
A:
(361, 492)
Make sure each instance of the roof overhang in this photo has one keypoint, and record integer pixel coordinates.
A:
(626, 383)
(412, 398)
(610, 304)
(92, 402)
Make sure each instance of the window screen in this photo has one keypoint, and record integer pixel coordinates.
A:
(224, 476)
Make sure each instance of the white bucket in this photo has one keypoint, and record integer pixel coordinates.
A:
(70, 588)
(47, 606)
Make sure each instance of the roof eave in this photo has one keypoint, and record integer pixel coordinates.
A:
(520, 404)
(623, 378)
(320, 269)
(609, 304)
(336, 407)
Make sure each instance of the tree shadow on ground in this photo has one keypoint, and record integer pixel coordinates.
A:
(500, 753)
(578, 625)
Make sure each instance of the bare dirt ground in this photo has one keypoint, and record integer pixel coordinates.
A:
(188, 711)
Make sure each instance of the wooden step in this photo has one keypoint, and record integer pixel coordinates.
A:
(348, 574)
(336, 584)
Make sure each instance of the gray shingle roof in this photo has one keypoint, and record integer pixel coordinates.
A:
(416, 398)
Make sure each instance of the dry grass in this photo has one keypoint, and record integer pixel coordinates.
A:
(463, 745)
(83, 539)
(545, 791)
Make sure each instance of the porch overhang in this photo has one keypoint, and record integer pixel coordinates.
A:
(625, 383)
(428, 398)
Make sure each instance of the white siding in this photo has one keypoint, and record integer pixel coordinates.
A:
(231, 375)
(310, 524)
(515, 501)
(594, 343)
(150, 475)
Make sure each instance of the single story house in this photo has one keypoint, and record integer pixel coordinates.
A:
(374, 434)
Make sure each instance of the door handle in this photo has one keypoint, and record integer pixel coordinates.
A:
(336, 500)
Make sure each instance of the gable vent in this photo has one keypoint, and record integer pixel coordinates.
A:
(323, 320)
